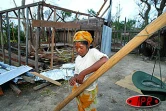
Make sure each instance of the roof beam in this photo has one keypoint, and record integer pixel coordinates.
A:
(42, 23)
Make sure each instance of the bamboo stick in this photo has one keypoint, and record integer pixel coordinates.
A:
(157, 24)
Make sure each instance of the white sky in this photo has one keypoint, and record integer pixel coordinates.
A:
(129, 8)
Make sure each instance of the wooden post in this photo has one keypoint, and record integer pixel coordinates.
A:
(64, 36)
(54, 29)
(2, 40)
(88, 20)
(19, 52)
(54, 15)
(8, 36)
(52, 48)
(157, 24)
(27, 34)
(72, 56)
(68, 37)
(37, 41)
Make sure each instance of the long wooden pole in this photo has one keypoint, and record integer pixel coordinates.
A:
(157, 24)
(101, 7)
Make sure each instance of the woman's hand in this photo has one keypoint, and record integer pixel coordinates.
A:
(72, 81)
(80, 78)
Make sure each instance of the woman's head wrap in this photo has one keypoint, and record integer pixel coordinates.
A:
(83, 36)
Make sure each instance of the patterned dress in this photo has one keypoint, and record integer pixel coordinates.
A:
(87, 100)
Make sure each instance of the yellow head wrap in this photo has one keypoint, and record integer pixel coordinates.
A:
(83, 36)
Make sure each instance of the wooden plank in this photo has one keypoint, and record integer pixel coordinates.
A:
(157, 24)
(46, 78)
(41, 86)
(42, 23)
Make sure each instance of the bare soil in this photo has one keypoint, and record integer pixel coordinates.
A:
(111, 97)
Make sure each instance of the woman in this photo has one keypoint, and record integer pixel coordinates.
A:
(87, 62)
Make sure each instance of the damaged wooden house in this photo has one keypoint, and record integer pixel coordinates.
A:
(40, 36)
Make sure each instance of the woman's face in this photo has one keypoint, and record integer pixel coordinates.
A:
(81, 49)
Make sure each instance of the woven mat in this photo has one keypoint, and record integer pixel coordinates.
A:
(127, 83)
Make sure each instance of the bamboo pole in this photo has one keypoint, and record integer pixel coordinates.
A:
(157, 24)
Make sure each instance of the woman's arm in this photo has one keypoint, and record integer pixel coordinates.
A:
(93, 68)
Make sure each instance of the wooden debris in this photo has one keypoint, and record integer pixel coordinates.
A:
(1, 92)
(15, 88)
(41, 85)
(28, 79)
(46, 78)
(14, 57)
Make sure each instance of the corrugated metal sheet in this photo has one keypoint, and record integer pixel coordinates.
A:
(106, 40)
(66, 71)
(10, 72)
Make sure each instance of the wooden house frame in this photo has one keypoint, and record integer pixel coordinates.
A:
(35, 27)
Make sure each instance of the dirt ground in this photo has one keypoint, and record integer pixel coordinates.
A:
(111, 97)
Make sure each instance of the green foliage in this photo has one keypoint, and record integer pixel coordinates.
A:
(13, 33)
(65, 15)
(130, 25)
(91, 12)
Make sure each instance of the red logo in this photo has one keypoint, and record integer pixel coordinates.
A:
(143, 101)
